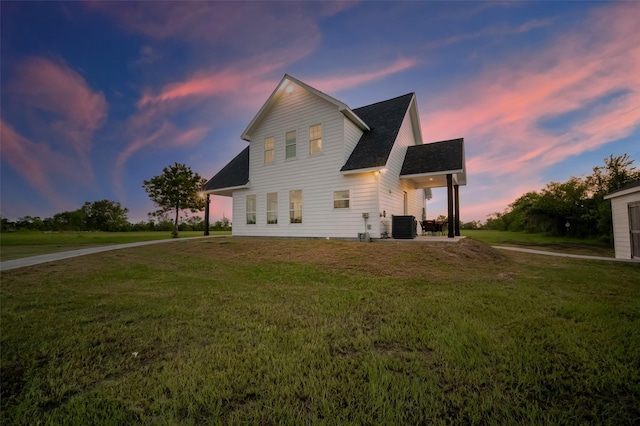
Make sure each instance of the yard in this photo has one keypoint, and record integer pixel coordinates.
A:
(264, 331)
(15, 245)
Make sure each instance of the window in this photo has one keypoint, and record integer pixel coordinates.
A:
(251, 209)
(295, 206)
(290, 147)
(272, 208)
(268, 150)
(340, 199)
(315, 139)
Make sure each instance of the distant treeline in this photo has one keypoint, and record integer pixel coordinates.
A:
(575, 208)
(107, 216)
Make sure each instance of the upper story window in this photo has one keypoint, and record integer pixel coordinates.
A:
(290, 146)
(295, 206)
(315, 139)
(272, 208)
(341, 199)
(269, 154)
(251, 209)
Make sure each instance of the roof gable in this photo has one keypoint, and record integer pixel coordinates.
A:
(282, 87)
(235, 174)
(384, 119)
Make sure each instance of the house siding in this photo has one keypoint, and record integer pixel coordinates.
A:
(352, 135)
(621, 225)
(392, 188)
(317, 175)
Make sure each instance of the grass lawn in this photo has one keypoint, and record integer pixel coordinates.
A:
(588, 247)
(16, 245)
(265, 331)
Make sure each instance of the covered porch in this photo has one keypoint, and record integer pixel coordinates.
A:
(439, 165)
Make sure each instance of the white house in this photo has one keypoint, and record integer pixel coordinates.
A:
(625, 211)
(316, 168)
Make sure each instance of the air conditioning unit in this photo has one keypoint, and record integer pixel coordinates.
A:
(403, 227)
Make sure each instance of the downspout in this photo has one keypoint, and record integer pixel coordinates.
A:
(378, 203)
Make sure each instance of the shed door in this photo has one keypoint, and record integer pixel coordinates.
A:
(634, 228)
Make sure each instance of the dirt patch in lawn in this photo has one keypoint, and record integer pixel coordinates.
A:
(399, 260)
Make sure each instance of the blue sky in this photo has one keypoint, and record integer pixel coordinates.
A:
(99, 96)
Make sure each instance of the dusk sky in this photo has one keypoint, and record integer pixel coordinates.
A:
(98, 96)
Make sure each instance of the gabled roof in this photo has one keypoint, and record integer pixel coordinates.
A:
(425, 165)
(234, 175)
(384, 119)
(435, 159)
(286, 81)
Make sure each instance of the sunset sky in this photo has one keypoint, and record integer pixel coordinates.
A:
(98, 96)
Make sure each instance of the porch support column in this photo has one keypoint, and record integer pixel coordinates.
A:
(450, 218)
(456, 191)
(206, 216)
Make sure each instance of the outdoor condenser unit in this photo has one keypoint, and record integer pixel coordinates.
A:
(403, 227)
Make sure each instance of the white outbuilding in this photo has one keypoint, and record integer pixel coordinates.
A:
(625, 210)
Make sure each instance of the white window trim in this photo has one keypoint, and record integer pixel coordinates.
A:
(348, 191)
(292, 210)
(295, 145)
(255, 213)
(272, 211)
(321, 138)
(273, 150)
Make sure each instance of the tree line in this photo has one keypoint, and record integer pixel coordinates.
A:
(108, 216)
(177, 191)
(575, 208)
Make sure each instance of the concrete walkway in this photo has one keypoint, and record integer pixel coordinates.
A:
(575, 256)
(52, 257)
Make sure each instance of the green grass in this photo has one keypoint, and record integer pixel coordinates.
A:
(15, 245)
(251, 331)
(593, 247)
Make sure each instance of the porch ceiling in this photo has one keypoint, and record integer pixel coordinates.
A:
(433, 180)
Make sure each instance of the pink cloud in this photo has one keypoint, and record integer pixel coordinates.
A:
(498, 31)
(218, 23)
(52, 87)
(37, 162)
(166, 135)
(57, 108)
(200, 85)
(340, 82)
(500, 113)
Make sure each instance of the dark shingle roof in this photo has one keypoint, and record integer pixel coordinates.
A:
(236, 173)
(433, 157)
(384, 118)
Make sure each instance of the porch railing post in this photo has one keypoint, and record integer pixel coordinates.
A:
(456, 191)
(450, 219)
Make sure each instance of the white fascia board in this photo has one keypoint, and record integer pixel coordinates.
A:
(355, 119)
(263, 110)
(367, 170)
(415, 120)
(342, 107)
(419, 175)
(230, 188)
(622, 193)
